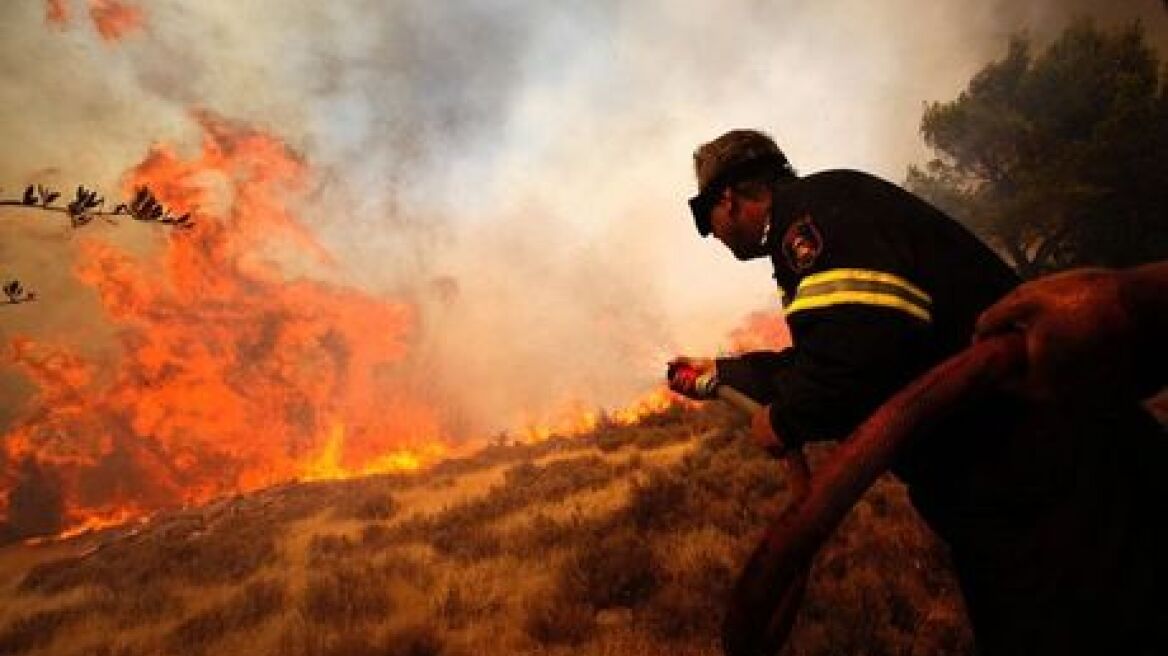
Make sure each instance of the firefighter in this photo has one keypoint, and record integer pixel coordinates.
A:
(1041, 504)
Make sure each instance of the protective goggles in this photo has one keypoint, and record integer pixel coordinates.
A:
(703, 204)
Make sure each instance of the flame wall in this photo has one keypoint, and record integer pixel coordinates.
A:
(417, 221)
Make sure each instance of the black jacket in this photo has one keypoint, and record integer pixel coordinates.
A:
(878, 286)
(1040, 505)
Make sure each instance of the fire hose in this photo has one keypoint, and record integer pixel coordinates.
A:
(770, 588)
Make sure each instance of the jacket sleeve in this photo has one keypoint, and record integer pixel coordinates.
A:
(754, 373)
(847, 361)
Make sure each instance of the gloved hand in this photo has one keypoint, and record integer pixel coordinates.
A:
(696, 378)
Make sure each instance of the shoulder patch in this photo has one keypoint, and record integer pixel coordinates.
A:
(802, 244)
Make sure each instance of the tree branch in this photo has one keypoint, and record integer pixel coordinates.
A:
(86, 207)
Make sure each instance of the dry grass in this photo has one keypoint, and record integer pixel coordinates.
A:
(615, 567)
(191, 554)
(256, 602)
(623, 542)
(38, 629)
(347, 594)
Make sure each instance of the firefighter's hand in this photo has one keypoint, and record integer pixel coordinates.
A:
(1077, 333)
(764, 434)
(696, 378)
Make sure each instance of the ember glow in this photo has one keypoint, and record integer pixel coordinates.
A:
(230, 375)
(760, 331)
(56, 12)
(577, 418)
(113, 19)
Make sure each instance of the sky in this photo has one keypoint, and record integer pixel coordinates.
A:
(530, 159)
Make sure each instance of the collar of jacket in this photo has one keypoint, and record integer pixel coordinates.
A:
(784, 210)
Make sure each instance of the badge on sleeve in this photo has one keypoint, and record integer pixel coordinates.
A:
(802, 244)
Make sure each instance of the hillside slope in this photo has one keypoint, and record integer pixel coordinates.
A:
(624, 541)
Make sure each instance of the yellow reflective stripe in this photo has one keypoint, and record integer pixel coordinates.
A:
(861, 286)
(866, 275)
(863, 298)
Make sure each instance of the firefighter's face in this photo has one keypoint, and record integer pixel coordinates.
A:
(739, 221)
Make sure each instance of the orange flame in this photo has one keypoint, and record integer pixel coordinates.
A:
(760, 331)
(57, 12)
(113, 19)
(229, 374)
(576, 419)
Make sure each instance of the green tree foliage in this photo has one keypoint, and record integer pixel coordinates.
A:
(1058, 159)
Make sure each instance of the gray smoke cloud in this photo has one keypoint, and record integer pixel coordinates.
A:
(516, 169)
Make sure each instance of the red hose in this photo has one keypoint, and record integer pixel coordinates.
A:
(769, 590)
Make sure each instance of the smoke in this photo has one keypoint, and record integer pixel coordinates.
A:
(515, 170)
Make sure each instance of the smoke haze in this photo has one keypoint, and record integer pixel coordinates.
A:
(516, 171)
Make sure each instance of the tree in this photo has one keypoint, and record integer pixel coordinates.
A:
(1058, 160)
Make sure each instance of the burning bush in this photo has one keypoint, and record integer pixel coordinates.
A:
(288, 378)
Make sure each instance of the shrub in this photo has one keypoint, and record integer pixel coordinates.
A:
(412, 640)
(249, 607)
(556, 619)
(368, 506)
(37, 630)
(681, 611)
(616, 568)
(462, 531)
(137, 607)
(377, 536)
(541, 533)
(692, 602)
(53, 577)
(300, 639)
(325, 548)
(347, 593)
(409, 569)
(468, 542)
(108, 648)
(229, 551)
(609, 440)
(661, 502)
